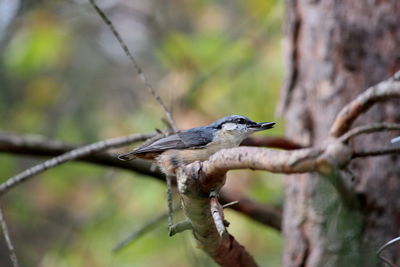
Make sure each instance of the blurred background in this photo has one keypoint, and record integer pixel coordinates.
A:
(64, 76)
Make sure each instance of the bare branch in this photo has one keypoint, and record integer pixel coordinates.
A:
(227, 205)
(139, 71)
(277, 161)
(70, 155)
(382, 91)
(265, 214)
(377, 127)
(218, 215)
(142, 230)
(377, 152)
(6, 234)
(170, 204)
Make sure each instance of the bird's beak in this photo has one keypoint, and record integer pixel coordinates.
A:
(261, 126)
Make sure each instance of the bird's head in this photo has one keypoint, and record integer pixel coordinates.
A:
(240, 125)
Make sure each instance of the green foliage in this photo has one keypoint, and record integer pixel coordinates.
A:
(200, 52)
(38, 46)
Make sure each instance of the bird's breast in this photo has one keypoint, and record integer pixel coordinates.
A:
(170, 160)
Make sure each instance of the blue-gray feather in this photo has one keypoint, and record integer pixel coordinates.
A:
(193, 138)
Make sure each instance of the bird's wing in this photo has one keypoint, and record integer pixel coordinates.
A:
(193, 138)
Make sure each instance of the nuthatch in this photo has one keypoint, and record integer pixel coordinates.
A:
(197, 143)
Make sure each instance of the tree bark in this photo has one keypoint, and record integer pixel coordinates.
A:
(335, 49)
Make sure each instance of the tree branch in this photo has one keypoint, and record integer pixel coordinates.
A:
(6, 234)
(196, 204)
(265, 214)
(376, 152)
(217, 215)
(143, 229)
(377, 127)
(382, 91)
(71, 155)
(179, 227)
(253, 158)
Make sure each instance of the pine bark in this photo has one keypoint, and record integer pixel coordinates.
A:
(334, 50)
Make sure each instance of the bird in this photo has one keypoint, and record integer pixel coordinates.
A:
(197, 144)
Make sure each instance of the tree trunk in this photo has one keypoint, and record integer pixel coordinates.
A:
(334, 50)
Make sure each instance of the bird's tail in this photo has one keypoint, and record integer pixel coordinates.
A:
(127, 156)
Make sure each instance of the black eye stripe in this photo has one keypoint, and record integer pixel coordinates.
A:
(241, 121)
(238, 121)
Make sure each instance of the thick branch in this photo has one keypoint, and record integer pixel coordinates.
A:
(278, 161)
(224, 249)
(384, 90)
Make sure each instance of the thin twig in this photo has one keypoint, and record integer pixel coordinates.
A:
(376, 127)
(135, 64)
(382, 248)
(139, 232)
(266, 214)
(70, 155)
(10, 246)
(180, 227)
(377, 152)
(142, 230)
(218, 215)
(227, 205)
(169, 201)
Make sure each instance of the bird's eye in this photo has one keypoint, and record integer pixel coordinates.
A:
(241, 121)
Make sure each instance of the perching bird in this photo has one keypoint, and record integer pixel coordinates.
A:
(197, 143)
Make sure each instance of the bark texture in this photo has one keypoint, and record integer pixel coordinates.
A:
(334, 50)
